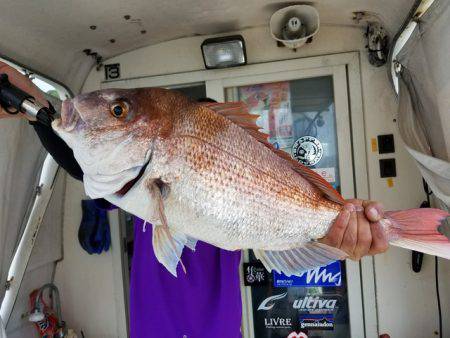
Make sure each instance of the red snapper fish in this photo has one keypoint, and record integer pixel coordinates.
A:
(204, 171)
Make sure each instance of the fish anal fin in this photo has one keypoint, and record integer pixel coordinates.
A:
(296, 261)
(238, 113)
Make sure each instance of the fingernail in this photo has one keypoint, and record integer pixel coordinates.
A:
(373, 214)
(359, 208)
(349, 207)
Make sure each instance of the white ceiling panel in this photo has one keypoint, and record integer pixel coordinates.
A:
(50, 35)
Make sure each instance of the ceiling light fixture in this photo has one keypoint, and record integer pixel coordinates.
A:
(224, 52)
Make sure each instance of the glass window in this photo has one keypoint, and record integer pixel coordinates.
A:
(49, 87)
(299, 117)
(194, 91)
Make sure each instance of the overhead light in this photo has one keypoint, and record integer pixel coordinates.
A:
(224, 52)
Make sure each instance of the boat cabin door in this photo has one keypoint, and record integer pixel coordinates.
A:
(306, 112)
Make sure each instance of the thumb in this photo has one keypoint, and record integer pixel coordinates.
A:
(373, 211)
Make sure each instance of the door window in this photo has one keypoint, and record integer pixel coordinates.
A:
(300, 118)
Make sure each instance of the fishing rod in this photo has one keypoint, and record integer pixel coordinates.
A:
(14, 100)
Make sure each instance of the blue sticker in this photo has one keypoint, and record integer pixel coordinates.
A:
(329, 275)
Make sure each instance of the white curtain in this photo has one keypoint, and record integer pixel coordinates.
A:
(424, 97)
(21, 157)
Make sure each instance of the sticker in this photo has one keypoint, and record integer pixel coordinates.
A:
(316, 322)
(390, 182)
(329, 275)
(112, 71)
(329, 174)
(315, 304)
(268, 303)
(297, 335)
(307, 304)
(283, 132)
(373, 141)
(278, 323)
(255, 274)
(307, 150)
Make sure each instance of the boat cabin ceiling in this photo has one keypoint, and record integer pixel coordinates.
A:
(51, 39)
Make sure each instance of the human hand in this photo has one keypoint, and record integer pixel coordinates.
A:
(357, 230)
(24, 83)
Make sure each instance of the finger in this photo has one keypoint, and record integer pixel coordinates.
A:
(379, 240)
(364, 240)
(358, 204)
(350, 237)
(373, 210)
(336, 233)
(5, 115)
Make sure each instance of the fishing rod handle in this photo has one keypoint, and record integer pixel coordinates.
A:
(14, 100)
(11, 97)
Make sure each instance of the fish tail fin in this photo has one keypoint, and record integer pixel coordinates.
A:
(418, 229)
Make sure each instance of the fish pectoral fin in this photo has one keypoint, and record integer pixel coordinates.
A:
(298, 260)
(168, 246)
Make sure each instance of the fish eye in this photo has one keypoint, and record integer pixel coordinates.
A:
(119, 109)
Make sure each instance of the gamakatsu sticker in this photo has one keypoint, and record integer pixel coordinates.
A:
(307, 150)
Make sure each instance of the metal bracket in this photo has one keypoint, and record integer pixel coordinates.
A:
(397, 67)
(8, 283)
(38, 190)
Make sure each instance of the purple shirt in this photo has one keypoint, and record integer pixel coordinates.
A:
(206, 302)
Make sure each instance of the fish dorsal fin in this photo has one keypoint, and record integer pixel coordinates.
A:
(238, 113)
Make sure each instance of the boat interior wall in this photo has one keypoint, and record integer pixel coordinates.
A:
(85, 282)
(51, 39)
